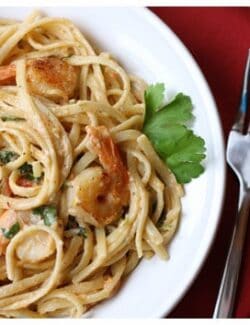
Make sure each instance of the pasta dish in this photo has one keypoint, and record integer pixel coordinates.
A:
(84, 193)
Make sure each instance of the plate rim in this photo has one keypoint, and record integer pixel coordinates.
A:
(167, 32)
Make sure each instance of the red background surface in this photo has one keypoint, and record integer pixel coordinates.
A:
(219, 39)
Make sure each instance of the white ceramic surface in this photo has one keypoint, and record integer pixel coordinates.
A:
(148, 48)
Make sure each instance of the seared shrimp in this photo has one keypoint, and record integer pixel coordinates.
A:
(52, 78)
(8, 74)
(32, 249)
(100, 142)
(100, 193)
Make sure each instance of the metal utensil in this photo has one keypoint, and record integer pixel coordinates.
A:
(238, 157)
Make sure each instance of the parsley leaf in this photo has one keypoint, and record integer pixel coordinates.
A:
(154, 96)
(12, 231)
(48, 214)
(26, 170)
(82, 232)
(73, 225)
(11, 118)
(161, 220)
(167, 129)
(7, 156)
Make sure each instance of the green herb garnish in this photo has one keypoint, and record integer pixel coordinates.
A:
(78, 230)
(82, 232)
(7, 156)
(11, 118)
(12, 231)
(48, 214)
(161, 220)
(166, 127)
(26, 170)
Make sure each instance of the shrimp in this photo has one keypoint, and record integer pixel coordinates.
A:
(100, 142)
(50, 77)
(101, 192)
(31, 249)
(8, 74)
(5, 187)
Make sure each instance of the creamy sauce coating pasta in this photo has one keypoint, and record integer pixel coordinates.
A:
(83, 187)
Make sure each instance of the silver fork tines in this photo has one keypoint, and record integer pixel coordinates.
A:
(240, 121)
(238, 157)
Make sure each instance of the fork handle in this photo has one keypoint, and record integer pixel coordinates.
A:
(226, 297)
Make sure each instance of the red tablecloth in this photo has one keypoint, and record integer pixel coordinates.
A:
(219, 39)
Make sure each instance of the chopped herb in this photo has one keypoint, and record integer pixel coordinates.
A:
(12, 231)
(7, 156)
(73, 225)
(65, 186)
(167, 227)
(82, 232)
(26, 171)
(48, 214)
(167, 129)
(11, 118)
(161, 220)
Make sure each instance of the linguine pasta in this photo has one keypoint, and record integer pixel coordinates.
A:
(87, 194)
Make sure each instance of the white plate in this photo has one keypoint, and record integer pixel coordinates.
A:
(148, 48)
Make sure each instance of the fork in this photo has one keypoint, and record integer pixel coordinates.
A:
(238, 158)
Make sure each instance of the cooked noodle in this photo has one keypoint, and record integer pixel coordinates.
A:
(49, 270)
